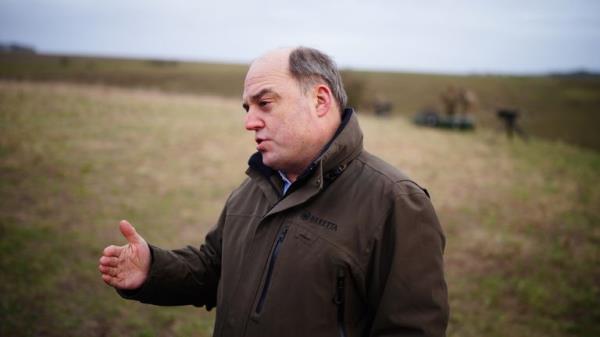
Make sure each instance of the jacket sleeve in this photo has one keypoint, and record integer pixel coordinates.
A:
(183, 276)
(407, 290)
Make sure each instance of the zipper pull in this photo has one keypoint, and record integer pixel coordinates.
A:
(283, 233)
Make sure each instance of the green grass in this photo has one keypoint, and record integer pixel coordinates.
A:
(522, 219)
(74, 162)
(555, 108)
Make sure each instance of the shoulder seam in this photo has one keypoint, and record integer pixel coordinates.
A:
(393, 181)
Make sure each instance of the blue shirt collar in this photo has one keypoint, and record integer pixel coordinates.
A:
(286, 182)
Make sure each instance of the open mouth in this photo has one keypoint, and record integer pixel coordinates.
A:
(260, 144)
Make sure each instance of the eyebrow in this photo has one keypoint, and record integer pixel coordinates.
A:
(256, 97)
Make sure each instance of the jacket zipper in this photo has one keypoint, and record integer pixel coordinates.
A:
(263, 293)
(339, 299)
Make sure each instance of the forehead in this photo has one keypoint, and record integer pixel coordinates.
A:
(267, 72)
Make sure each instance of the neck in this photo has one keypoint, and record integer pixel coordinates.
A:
(291, 176)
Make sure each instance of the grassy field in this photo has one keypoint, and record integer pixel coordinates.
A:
(522, 219)
(553, 107)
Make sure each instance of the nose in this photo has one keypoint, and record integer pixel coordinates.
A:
(253, 122)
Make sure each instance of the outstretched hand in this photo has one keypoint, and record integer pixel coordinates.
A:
(126, 267)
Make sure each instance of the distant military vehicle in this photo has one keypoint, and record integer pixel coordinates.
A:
(432, 118)
(458, 104)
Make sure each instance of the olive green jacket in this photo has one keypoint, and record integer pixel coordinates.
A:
(353, 249)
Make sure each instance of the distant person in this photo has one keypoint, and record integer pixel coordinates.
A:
(321, 239)
(509, 116)
(467, 102)
(449, 98)
(381, 106)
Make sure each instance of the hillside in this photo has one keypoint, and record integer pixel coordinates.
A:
(522, 219)
(565, 108)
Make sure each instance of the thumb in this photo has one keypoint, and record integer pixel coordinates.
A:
(129, 232)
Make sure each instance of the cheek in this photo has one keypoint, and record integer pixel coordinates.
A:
(286, 135)
(292, 129)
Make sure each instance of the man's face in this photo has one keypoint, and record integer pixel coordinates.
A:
(280, 115)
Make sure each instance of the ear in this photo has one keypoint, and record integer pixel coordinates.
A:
(324, 100)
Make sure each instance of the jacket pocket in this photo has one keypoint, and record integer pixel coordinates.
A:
(339, 299)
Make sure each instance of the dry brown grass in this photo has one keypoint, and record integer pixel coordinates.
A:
(521, 218)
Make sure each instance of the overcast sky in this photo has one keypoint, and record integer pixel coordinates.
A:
(456, 36)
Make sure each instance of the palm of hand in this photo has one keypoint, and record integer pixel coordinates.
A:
(126, 267)
(133, 265)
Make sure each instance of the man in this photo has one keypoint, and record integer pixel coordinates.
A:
(509, 116)
(321, 239)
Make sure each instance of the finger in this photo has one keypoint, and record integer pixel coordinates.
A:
(111, 281)
(129, 232)
(112, 251)
(104, 269)
(108, 270)
(109, 261)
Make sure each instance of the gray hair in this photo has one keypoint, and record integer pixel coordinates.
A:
(309, 66)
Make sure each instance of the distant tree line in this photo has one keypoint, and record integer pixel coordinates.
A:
(582, 73)
(16, 48)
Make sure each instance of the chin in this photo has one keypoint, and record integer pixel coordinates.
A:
(268, 160)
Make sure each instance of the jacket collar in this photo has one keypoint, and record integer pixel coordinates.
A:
(346, 144)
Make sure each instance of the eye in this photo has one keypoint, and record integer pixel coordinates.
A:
(265, 105)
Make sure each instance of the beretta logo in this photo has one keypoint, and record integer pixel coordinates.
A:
(307, 216)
